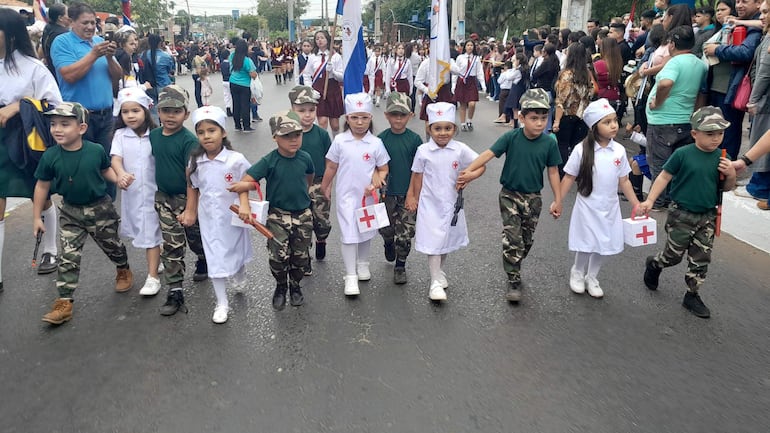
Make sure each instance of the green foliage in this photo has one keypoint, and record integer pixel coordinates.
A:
(147, 14)
(251, 23)
(277, 11)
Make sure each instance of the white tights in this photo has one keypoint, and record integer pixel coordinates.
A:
(353, 253)
(436, 266)
(592, 261)
(220, 291)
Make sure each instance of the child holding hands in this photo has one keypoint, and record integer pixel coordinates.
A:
(362, 163)
(433, 193)
(691, 224)
(599, 166)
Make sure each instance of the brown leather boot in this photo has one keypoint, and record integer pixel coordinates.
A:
(60, 313)
(124, 280)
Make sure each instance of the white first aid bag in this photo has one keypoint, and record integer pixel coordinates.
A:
(373, 216)
(258, 211)
(639, 230)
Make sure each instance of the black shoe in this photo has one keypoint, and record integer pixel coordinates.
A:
(693, 303)
(399, 275)
(320, 250)
(248, 130)
(308, 271)
(174, 303)
(48, 264)
(1, 287)
(279, 297)
(390, 251)
(651, 273)
(258, 119)
(514, 292)
(201, 270)
(229, 113)
(295, 295)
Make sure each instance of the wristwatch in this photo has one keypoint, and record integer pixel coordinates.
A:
(746, 160)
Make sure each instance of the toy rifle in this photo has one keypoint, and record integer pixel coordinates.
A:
(38, 239)
(720, 193)
(458, 207)
(260, 227)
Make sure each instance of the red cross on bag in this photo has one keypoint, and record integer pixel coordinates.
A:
(258, 210)
(639, 230)
(371, 217)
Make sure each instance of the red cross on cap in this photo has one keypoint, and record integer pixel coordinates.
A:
(439, 113)
(606, 107)
(128, 93)
(359, 104)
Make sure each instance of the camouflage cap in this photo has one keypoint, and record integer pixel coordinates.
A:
(303, 95)
(708, 119)
(173, 96)
(535, 98)
(398, 103)
(70, 109)
(284, 122)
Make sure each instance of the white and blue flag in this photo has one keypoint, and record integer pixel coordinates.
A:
(353, 48)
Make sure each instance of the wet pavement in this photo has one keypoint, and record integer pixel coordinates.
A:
(390, 360)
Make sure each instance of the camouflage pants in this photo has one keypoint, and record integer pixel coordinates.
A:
(320, 206)
(691, 233)
(520, 213)
(176, 237)
(98, 219)
(401, 228)
(287, 251)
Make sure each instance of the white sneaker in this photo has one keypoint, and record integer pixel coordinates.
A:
(220, 314)
(161, 268)
(151, 287)
(436, 292)
(577, 281)
(593, 287)
(351, 285)
(442, 280)
(362, 268)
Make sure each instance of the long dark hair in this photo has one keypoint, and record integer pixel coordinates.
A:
(148, 124)
(523, 65)
(611, 55)
(680, 14)
(585, 177)
(328, 41)
(241, 49)
(198, 151)
(16, 38)
(577, 61)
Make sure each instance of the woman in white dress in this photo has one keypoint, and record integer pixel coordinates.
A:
(361, 161)
(600, 166)
(433, 193)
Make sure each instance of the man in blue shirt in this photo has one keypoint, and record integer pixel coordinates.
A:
(85, 69)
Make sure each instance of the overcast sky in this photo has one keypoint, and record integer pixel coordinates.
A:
(225, 7)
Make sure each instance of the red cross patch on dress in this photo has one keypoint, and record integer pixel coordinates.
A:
(616, 162)
(367, 157)
(229, 177)
(455, 164)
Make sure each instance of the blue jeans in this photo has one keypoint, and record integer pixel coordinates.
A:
(759, 185)
(100, 126)
(733, 134)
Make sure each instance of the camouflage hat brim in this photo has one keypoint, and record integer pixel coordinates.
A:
(398, 103)
(70, 109)
(173, 96)
(303, 95)
(534, 99)
(284, 123)
(709, 119)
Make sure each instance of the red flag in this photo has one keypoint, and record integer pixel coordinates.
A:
(630, 21)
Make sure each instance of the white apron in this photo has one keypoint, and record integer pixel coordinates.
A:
(440, 168)
(596, 223)
(356, 161)
(227, 248)
(138, 218)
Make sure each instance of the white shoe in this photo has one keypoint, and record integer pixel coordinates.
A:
(351, 285)
(362, 268)
(151, 287)
(577, 281)
(220, 314)
(442, 280)
(436, 292)
(593, 287)
(161, 268)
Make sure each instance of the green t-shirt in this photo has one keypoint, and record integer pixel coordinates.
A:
(172, 155)
(687, 72)
(316, 143)
(401, 148)
(75, 175)
(695, 177)
(525, 160)
(286, 182)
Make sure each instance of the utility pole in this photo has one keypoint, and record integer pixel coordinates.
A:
(457, 32)
(291, 20)
(377, 21)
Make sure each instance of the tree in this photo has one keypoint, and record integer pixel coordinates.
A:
(147, 14)
(277, 11)
(251, 24)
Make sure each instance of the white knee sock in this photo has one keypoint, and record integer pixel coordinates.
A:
(594, 264)
(434, 264)
(220, 291)
(363, 251)
(443, 261)
(50, 236)
(349, 252)
(581, 261)
(2, 242)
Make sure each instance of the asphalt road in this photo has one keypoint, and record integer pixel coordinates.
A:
(391, 361)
